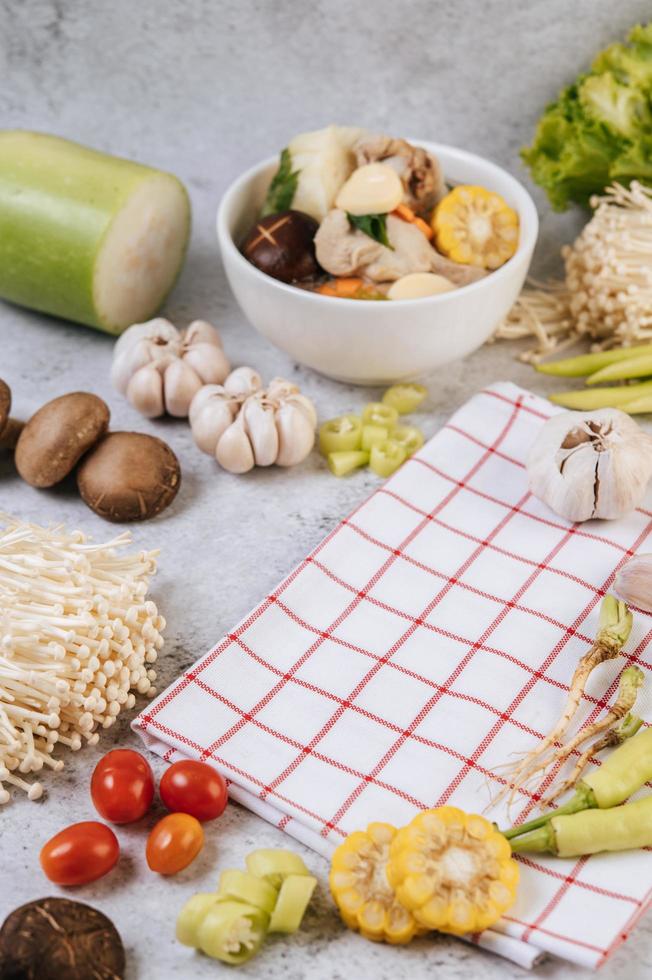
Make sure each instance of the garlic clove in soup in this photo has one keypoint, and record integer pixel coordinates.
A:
(374, 188)
(416, 285)
(258, 418)
(586, 465)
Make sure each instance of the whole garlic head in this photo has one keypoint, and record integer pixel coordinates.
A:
(587, 465)
(160, 369)
(244, 425)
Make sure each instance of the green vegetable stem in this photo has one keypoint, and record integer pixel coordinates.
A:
(571, 835)
(599, 130)
(282, 189)
(624, 772)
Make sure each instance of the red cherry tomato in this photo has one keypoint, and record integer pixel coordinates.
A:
(80, 853)
(195, 788)
(174, 842)
(122, 786)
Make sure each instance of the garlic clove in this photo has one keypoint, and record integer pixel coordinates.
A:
(158, 329)
(210, 423)
(306, 406)
(374, 188)
(296, 435)
(145, 392)
(258, 419)
(128, 361)
(633, 582)
(233, 451)
(280, 388)
(206, 395)
(202, 332)
(180, 385)
(208, 361)
(243, 381)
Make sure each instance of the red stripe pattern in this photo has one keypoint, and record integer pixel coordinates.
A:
(428, 637)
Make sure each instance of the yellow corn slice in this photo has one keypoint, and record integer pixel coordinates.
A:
(359, 885)
(475, 226)
(452, 870)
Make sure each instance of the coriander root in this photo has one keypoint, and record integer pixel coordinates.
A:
(614, 627)
(627, 727)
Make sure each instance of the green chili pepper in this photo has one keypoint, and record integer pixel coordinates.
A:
(585, 364)
(623, 773)
(620, 828)
(632, 367)
(587, 399)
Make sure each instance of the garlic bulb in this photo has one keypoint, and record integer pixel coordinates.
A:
(633, 582)
(244, 425)
(590, 464)
(161, 369)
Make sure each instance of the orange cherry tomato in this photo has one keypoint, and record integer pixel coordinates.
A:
(80, 853)
(174, 842)
(194, 787)
(122, 786)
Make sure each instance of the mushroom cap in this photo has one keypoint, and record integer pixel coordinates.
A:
(58, 435)
(56, 937)
(129, 476)
(5, 404)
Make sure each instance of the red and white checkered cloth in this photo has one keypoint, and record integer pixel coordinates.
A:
(429, 636)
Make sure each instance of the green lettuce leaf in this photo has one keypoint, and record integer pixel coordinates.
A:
(600, 128)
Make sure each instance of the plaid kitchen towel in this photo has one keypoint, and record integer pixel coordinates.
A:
(428, 637)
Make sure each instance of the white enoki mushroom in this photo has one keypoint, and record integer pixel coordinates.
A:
(607, 293)
(77, 637)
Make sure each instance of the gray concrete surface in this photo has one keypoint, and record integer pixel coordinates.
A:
(205, 89)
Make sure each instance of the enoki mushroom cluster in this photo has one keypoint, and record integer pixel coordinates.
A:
(607, 293)
(78, 638)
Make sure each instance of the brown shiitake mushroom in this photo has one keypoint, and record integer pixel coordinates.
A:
(129, 476)
(282, 245)
(58, 435)
(54, 938)
(10, 428)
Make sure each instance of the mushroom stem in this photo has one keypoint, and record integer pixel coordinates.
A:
(77, 638)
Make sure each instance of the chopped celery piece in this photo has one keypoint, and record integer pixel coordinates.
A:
(293, 900)
(345, 462)
(242, 886)
(275, 864)
(191, 916)
(376, 413)
(341, 433)
(386, 458)
(372, 435)
(405, 398)
(409, 437)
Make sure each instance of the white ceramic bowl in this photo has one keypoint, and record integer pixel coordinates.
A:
(365, 342)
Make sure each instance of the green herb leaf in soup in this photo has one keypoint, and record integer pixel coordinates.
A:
(282, 188)
(373, 225)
